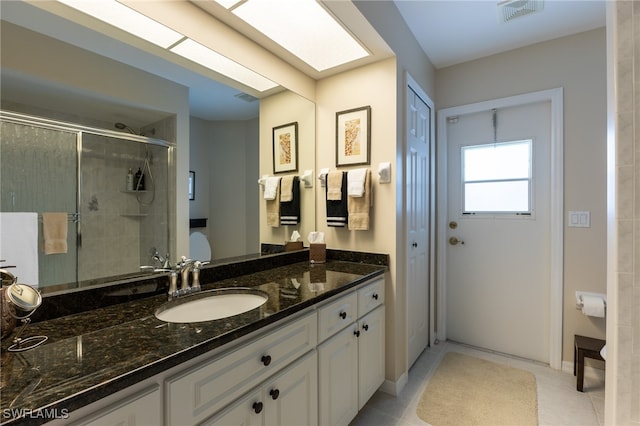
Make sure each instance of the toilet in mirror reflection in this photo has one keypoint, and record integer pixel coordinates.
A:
(199, 248)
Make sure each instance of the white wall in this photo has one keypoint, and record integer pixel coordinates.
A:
(277, 110)
(578, 64)
(373, 85)
(224, 157)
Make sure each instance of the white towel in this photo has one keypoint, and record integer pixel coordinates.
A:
(271, 187)
(19, 245)
(355, 182)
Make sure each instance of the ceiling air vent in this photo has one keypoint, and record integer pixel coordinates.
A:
(246, 97)
(511, 9)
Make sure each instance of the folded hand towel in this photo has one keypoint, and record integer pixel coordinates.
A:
(337, 212)
(271, 188)
(334, 185)
(359, 207)
(290, 210)
(19, 244)
(54, 230)
(273, 208)
(286, 188)
(355, 182)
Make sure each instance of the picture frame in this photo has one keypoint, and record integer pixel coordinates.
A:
(285, 148)
(192, 185)
(353, 136)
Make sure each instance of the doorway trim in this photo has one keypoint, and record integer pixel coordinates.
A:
(556, 97)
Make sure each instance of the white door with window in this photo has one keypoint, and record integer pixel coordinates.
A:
(498, 229)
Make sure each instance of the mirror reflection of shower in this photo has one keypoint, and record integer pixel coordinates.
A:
(144, 176)
(83, 171)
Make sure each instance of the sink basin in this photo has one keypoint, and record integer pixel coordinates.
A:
(211, 305)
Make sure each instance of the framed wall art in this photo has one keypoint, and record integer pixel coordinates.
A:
(353, 136)
(285, 148)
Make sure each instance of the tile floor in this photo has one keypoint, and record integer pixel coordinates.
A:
(559, 404)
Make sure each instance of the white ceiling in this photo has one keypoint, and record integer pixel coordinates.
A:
(455, 31)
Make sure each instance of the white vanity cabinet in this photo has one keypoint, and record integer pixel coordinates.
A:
(351, 360)
(196, 394)
(290, 398)
(317, 367)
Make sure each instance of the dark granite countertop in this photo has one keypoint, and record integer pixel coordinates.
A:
(93, 354)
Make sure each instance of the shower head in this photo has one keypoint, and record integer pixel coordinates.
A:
(122, 126)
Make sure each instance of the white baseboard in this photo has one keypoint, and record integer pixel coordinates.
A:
(394, 388)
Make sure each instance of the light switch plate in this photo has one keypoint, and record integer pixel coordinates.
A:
(580, 219)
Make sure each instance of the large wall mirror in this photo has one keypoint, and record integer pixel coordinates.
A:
(227, 153)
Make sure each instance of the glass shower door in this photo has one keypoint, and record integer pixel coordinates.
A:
(38, 173)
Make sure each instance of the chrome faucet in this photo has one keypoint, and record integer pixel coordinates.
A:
(185, 267)
(195, 273)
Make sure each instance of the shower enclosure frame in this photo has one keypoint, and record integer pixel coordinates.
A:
(80, 130)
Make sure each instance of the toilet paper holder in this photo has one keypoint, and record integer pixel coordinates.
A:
(581, 294)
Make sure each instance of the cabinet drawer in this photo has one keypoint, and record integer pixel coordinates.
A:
(370, 297)
(196, 394)
(337, 315)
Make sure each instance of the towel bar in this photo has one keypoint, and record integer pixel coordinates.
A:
(71, 217)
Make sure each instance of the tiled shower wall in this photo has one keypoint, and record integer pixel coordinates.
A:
(120, 228)
(624, 316)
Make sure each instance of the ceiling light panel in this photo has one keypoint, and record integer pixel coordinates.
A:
(304, 28)
(129, 20)
(211, 59)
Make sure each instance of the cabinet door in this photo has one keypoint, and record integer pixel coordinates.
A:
(338, 378)
(291, 399)
(370, 355)
(247, 411)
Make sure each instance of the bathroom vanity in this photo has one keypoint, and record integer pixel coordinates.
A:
(312, 354)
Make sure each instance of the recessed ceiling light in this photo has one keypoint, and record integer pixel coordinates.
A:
(129, 20)
(211, 59)
(304, 28)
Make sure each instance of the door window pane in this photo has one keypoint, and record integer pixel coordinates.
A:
(497, 178)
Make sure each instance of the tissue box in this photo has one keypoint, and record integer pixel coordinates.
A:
(317, 253)
(292, 245)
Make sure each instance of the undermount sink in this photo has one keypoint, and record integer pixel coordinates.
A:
(211, 305)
